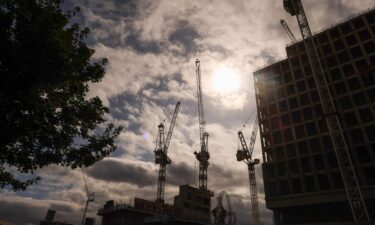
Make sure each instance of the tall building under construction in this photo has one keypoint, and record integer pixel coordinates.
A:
(303, 184)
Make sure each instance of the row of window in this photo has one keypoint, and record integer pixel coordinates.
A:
(307, 183)
(312, 129)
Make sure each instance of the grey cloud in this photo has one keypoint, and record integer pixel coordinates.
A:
(134, 42)
(115, 171)
(11, 212)
(185, 35)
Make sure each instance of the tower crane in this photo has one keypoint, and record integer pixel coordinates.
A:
(203, 155)
(350, 180)
(288, 31)
(90, 198)
(245, 154)
(161, 154)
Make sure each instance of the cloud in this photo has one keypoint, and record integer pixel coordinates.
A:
(115, 170)
(152, 47)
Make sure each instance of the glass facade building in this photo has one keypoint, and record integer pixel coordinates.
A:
(302, 180)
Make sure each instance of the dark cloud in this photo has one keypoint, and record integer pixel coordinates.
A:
(121, 172)
(181, 173)
(140, 46)
(185, 35)
(25, 213)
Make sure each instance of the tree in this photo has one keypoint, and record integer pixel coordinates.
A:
(45, 71)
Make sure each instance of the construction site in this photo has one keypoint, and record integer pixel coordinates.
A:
(315, 113)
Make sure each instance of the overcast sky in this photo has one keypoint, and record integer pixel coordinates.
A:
(151, 46)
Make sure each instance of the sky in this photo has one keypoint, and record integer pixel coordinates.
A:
(152, 47)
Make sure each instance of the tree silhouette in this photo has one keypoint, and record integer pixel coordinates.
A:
(45, 71)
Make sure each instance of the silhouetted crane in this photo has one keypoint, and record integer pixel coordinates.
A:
(288, 31)
(203, 155)
(90, 198)
(161, 154)
(245, 154)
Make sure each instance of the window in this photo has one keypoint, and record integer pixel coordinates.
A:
(339, 44)
(311, 129)
(306, 166)
(350, 118)
(323, 182)
(299, 131)
(281, 170)
(315, 96)
(359, 98)
(370, 18)
(323, 38)
(303, 148)
(357, 136)
(322, 126)
(332, 160)
(290, 150)
(356, 52)
(354, 83)
(293, 103)
(346, 28)
(279, 152)
(361, 64)
(358, 23)
(331, 61)
(283, 106)
(319, 162)
(336, 73)
(295, 62)
(285, 120)
(296, 185)
(280, 93)
(348, 70)
(369, 173)
(287, 78)
(366, 115)
(351, 40)
(297, 74)
(275, 122)
(304, 99)
(345, 103)
(307, 70)
(315, 145)
(296, 117)
(369, 47)
(301, 86)
(293, 167)
(340, 88)
(327, 49)
(370, 131)
(334, 33)
(327, 142)
(337, 180)
(310, 184)
(363, 155)
(273, 109)
(364, 35)
(288, 134)
(311, 83)
(343, 57)
(290, 89)
(305, 59)
(307, 113)
(371, 94)
(318, 110)
(284, 187)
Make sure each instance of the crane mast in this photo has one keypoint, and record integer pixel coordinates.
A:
(245, 154)
(203, 155)
(350, 180)
(288, 31)
(90, 198)
(161, 154)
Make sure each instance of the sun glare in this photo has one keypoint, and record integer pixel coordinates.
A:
(225, 80)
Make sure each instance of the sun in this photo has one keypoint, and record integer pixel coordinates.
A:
(225, 80)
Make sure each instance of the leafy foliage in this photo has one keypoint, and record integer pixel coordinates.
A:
(45, 72)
